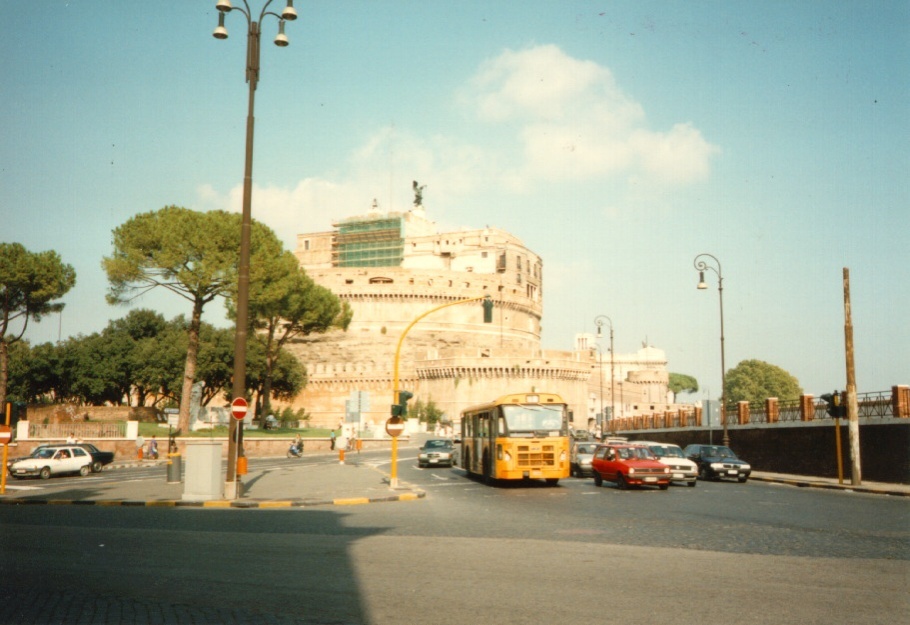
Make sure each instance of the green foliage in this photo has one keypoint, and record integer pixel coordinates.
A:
(285, 303)
(189, 253)
(681, 383)
(427, 412)
(29, 284)
(755, 380)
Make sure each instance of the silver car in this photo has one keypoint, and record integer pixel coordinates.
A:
(436, 452)
(580, 460)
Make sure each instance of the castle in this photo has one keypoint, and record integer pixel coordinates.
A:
(393, 267)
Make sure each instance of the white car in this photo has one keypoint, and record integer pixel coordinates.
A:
(47, 461)
(681, 468)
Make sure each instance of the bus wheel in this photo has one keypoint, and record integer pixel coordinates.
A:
(487, 470)
(552, 481)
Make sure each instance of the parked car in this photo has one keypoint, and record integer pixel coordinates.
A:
(99, 458)
(438, 452)
(629, 465)
(681, 468)
(53, 460)
(717, 461)
(580, 459)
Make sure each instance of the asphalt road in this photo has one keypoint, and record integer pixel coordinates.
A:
(467, 553)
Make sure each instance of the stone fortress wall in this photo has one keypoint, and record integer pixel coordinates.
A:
(450, 357)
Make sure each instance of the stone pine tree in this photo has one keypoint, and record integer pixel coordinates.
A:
(286, 303)
(192, 254)
(30, 282)
(755, 380)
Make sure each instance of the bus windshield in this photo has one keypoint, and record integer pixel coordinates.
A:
(530, 420)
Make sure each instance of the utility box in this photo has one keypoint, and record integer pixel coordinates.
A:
(202, 476)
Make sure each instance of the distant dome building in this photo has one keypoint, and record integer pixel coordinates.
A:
(393, 267)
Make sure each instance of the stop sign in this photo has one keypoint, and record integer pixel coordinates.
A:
(238, 408)
(6, 434)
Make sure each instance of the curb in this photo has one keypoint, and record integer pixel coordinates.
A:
(841, 487)
(218, 503)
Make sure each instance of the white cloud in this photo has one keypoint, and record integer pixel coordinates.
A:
(575, 123)
(546, 118)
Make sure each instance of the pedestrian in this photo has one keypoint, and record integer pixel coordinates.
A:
(71, 439)
(332, 440)
(153, 448)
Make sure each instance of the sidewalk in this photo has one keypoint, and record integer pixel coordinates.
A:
(296, 484)
(877, 488)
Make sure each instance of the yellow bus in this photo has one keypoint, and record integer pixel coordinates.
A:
(517, 437)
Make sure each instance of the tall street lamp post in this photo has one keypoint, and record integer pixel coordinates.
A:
(243, 282)
(599, 321)
(702, 264)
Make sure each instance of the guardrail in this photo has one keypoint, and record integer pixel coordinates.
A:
(884, 405)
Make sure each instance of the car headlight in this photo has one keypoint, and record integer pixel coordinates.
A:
(632, 471)
(746, 467)
(717, 465)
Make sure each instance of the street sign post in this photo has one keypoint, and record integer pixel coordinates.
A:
(239, 408)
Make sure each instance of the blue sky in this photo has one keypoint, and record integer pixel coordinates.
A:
(618, 140)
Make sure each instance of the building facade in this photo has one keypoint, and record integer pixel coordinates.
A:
(391, 268)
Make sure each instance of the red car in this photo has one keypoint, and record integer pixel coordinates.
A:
(628, 465)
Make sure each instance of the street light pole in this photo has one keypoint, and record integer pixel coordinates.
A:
(599, 321)
(243, 281)
(702, 265)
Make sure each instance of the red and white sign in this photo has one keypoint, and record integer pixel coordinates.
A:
(238, 408)
(6, 434)
(394, 426)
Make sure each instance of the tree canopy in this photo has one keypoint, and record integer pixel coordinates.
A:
(681, 383)
(190, 253)
(755, 380)
(286, 303)
(29, 284)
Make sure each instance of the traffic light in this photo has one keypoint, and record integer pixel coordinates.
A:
(834, 409)
(401, 408)
(487, 310)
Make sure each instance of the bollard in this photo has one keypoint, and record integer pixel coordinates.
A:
(173, 468)
(140, 453)
(341, 456)
(241, 465)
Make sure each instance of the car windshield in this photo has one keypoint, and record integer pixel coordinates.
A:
(635, 453)
(535, 420)
(718, 451)
(436, 444)
(666, 451)
(586, 449)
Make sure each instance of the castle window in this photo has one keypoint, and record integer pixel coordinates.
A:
(380, 280)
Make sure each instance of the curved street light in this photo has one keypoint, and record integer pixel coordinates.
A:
(243, 282)
(703, 264)
(599, 321)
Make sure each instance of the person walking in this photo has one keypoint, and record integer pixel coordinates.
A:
(332, 440)
(153, 448)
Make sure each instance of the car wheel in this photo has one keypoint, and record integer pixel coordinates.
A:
(85, 469)
(664, 486)
(621, 481)
(703, 473)
(96, 467)
(742, 479)
(692, 483)
(598, 479)
(45, 473)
